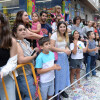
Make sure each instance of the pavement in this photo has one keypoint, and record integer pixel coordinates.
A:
(90, 88)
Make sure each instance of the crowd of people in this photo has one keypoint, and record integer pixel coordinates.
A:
(57, 51)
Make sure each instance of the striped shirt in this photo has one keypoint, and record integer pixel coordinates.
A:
(27, 52)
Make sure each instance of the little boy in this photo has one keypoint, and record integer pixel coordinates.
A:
(91, 59)
(45, 67)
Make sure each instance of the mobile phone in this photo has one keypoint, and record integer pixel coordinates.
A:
(33, 53)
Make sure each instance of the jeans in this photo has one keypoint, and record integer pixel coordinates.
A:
(23, 87)
(90, 65)
(10, 87)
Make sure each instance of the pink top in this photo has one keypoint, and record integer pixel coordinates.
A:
(60, 14)
(34, 27)
(55, 15)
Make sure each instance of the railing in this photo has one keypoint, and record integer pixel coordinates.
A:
(35, 80)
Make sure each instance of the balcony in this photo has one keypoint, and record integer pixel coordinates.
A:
(93, 4)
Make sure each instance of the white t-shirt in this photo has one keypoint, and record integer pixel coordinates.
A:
(79, 54)
(54, 27)
(61, 45)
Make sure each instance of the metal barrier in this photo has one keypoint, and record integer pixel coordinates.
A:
(5, 89)
(35, 80)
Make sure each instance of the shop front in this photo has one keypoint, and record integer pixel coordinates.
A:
(11, 7)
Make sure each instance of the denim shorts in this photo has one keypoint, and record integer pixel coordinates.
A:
(76, 63)
(47, 89)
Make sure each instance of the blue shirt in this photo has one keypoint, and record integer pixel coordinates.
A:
(92, 45)
(45, 61)
(46, 29)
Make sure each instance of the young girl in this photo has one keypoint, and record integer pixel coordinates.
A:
(59, 44)
(77, 48)
(36, 26)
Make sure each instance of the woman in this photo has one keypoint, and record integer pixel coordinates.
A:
(87, 28)
(8, 59)
(59, 44)
(22, 17)
(76, 26)
(24, 56)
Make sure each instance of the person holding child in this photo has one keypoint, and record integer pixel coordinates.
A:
(45, 67)
(22, 17)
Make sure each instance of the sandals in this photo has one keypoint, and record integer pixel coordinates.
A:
(80, 86)
(73, 89)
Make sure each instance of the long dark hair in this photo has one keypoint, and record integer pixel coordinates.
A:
(14, 29)
(19, 19)
(65, 34)
(5, 33)
(71, 36)
(76, 18)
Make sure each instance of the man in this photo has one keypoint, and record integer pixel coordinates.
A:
(45, 27)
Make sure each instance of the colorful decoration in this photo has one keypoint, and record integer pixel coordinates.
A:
(66, 9)
(30, 7)
(5, 11)
(33, 5)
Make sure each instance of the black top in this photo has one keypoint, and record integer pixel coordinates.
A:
(4, 56)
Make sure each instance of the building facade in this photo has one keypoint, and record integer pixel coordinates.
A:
(87, 9)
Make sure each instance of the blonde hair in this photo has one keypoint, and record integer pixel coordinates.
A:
(57, 7)
(60, 39)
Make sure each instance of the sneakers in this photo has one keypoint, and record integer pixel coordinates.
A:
(95, 76)
(88, 78)
(64, 94)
